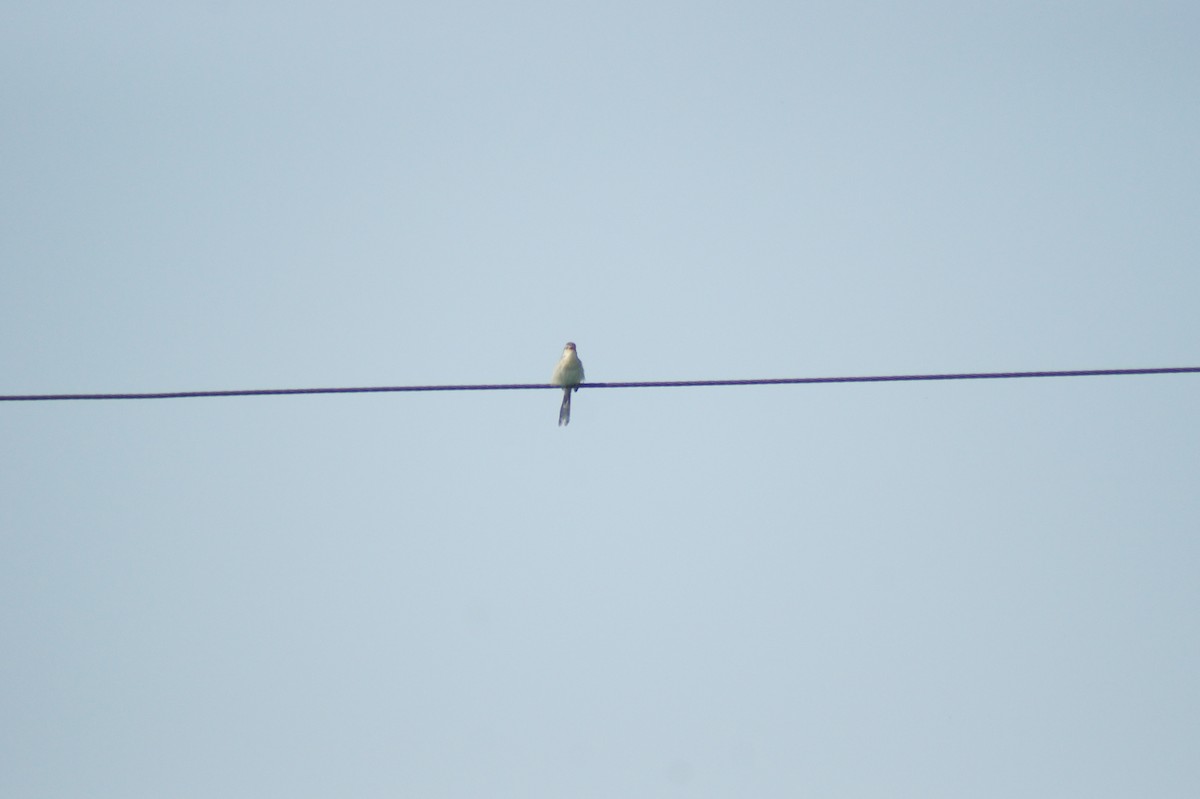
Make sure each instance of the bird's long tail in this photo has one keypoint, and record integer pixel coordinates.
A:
(564, 413)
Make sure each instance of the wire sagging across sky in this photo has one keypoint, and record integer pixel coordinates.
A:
(259, 392)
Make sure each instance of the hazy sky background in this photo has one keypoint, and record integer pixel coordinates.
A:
(979, 589)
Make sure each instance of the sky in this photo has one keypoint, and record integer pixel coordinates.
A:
(983, 588)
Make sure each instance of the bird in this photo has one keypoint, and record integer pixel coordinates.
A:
(568, 374)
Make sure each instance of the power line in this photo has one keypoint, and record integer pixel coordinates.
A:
(255, 392)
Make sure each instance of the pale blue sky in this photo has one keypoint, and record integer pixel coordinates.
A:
(930, 590)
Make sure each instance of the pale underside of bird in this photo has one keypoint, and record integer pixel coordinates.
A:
(568, 374)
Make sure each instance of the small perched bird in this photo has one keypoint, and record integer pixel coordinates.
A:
(568, 374)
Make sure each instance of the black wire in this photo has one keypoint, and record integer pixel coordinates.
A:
(254, 392)
(903, 378)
